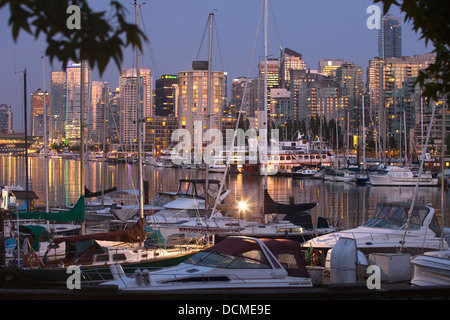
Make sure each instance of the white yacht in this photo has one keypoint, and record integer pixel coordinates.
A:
(385, 231)
(401, 176)
(235, 263)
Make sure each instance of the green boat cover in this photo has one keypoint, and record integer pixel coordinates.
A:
(34, 234)
(76, 213)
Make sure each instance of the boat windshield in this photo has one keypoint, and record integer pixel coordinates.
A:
(251, 260)
(394, 216)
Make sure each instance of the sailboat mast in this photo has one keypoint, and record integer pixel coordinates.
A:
(139, 120)
(444, 109)
(210, 93)
(364, 134)
(45, 139)
(26, 136)
(82, 153)
(265, 96)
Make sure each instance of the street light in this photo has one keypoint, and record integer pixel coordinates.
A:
(242, 205)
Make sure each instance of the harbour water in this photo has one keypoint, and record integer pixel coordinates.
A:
(345, 202)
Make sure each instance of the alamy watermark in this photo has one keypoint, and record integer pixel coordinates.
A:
(246, 147)
(374, 279)
(74, 280)
(74, 20)
(374, 21)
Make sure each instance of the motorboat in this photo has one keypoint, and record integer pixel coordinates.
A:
(339, 175)
(235, 263)
(385, 232)
(401, 176)
(431, 269)
(303, 172)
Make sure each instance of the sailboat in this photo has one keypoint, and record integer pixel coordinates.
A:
(95, 252)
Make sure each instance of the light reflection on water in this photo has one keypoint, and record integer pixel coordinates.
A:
(344, 201)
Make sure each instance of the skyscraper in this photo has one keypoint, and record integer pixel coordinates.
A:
(289, 59)
(349, 78)
(164, 95)
(128, 102)
(5, 119)
(37, 112)
(193, 98)
(273, 74)
(73, 100)
(98, 117)
(57, 105)
(329, 66)
(390, 38)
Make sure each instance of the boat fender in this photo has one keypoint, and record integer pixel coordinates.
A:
(120, 271)
(31, 259)
(138, 277)
(146, 277)
(114, 273)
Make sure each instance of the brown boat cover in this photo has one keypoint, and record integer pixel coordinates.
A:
(288, 252)
(135, 234)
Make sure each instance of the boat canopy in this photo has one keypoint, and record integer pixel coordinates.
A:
(135, 234)
(195, 188)
(395, 215)
(288, 252)
(75, 214)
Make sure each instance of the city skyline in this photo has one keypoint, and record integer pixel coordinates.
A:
(319, 30)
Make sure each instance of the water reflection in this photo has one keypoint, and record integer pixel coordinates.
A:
(347, 202)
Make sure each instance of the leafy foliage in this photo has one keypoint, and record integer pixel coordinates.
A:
(100, 38)
(430, 18)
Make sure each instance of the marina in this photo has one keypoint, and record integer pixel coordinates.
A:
(347, 205)
(121, 195)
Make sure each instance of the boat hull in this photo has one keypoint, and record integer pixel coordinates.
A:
(91, 274)
(431, 271)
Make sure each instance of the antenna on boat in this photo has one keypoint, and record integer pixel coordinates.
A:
(265, 96)
(444, 110)
(209, 107)
(139, 119)
(411, 208)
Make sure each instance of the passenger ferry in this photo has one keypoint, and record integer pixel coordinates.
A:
(302, 151)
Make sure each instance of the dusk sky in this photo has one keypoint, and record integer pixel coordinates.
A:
(323, 29)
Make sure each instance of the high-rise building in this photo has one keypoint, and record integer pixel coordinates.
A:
(73, 100)
(301, 81)
(165, 95)
(6, 119)
(315, 94)
(239, 87)
(325, 99)
(400, 94)
(281, 111)
(114, 117)
(37, 112)
(158, 133)
(273, 74)
(289, 59)
(391, 95)
(98, 117)
(329, 66)
(193, 98)
(390, 38)
(128, 103)
(349, 78)
(57, 105)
